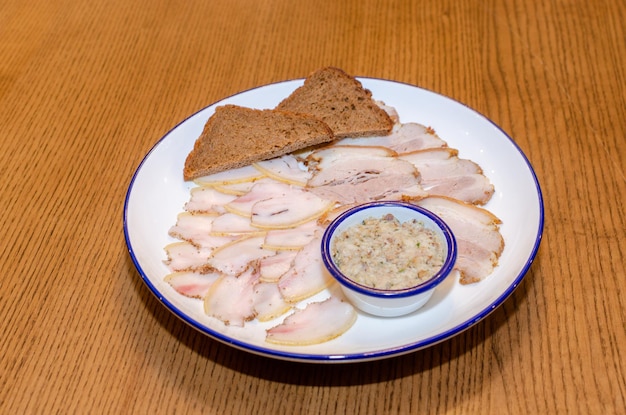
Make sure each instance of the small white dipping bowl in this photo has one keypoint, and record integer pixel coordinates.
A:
(380, 302)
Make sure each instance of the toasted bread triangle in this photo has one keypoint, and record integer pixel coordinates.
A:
(341, 101)
(237, 136)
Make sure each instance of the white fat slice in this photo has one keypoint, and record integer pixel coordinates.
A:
(273, 267)
(318, 322)
(235, 257)
(291, 238)
(231, 298)
(243, 204)
(239, 175)
(192, 284)
(285, 168)
(269, 303)
(307, 275)
(207, 200)
(291, 210)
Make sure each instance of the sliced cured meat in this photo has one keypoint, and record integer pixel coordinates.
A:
(268, 301)
(273, 267)
(384, 187)
(358, 170)
(196, 229)
(443, 173)
(189, 226)
(307, 275)
(404, 138)
(231, 299)
(239, 175)
(233, 224)
(240, 188)
(260, 191)
(318, 322)
(183, 256)
(471, 188)
(286, 169)
(234, 258)
(288, 211)
(361, 174)
(207, 200)
(192, 284)
(413, 136)
(440, 162)
(479, 242)
(291, 238)
(334, 155)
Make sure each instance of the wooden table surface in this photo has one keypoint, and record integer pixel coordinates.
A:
(87, 88)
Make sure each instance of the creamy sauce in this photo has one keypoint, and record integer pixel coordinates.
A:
(386, 254)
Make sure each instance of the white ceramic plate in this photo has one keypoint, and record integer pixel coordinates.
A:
(157, 193)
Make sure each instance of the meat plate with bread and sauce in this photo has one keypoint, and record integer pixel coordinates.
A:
(249, 232)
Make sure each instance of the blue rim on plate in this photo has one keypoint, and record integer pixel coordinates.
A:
(152, 183)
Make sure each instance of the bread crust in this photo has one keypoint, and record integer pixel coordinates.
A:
(236, 136)
(341, 101)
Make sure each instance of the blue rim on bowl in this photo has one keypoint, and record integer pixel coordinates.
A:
(432, 282)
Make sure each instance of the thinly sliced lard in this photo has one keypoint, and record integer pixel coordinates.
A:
(273, 267)
(231, 298)
(318, 322)
(191, 283)
(233, 258)
(285, 169)
(260, 191)
(239, 175)
(307, 275)
(269, 303)
(290, 210)
(206, 199)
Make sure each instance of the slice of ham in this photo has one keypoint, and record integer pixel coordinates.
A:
(361, 174)
(472, 188)
(231, 299)
(192, 284)
(440, 162)
(479, 242)
(383, 187)
(307, 275)
(318, 322)
(286, 169)
(404, 138)
(336, 155)
(443, 173)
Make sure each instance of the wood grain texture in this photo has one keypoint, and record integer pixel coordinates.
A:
(86, 89)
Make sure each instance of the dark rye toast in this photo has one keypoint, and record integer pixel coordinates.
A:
(341, 101)
(237, 136)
